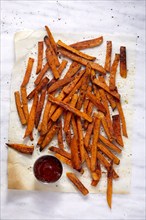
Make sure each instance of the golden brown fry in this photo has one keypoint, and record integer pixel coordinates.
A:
(88, 134)
(111, 101)
(109, 144)
(122, 117)
(112, 80)
(74, 126)
(96, 131)
(20, 108)
(123, 62)
(109, 186)
(64, 159)
(51, 62)
(69, 108)
(41, 74)
(40, 56)
(77, 52)
(60, 151)
(72, 177)
(60, 135)
(68, 136)
(24, 102)
(28, 72)
(31, 119)
(106, 88)
(86, 102)
(117, 130)
(40, 140)
(98, 174)
(83, 61)
(105, 126)
(45, 119)
(40, 107)
(89, 112)
(58, 84)
(76, 162)
(51, 38)
(23, 148)
(68, 88)
(106, 164)
(69, 114)
(107, 65)
(87, 43)
(49, 136)
(80, 139)
(62, 66)
(38, 88)
(73, 69)
(108, 153)
(87, 159)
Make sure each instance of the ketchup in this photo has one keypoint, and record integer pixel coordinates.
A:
(47, 169)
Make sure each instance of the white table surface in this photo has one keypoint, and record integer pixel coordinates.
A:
(123, 17)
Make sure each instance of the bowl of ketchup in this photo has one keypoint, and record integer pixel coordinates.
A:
(47, 169)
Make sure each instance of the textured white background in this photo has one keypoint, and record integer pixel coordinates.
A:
(74, 16)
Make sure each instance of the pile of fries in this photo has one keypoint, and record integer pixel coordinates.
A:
(79, 106)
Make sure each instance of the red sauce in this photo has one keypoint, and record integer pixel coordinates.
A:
(47, 169)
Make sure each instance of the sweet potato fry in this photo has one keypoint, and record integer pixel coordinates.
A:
(41, 139)
(58, 84)
(122, 118)
(111, 100)
(106, 88)
(64, 159)
(88, 134)
(105, 126)
(51, 62)
(98, 173)
(19, 108)
(84, 86)
(109, 144)
(60, 135)
(60, 151)
(96, 131)
(86, 102)
(41, 74)
(45, 119)
(24, 102)
(89, 112)
(68, 136)
(40, 56)
(80, 139)
(87, 159)
(28, 72)
(77, 52)
(51, 38)
(74, 126)
(72, 177)
(31, 119)
(68, 88)
(23, 148)
(117, 130)
(107, 65)
(40, 107)
(50, 48)
(108, 153)
(87, 43)
(69, 108)
(49, 136)
(69, 114)
(94, 100)
(38, 88)
(109, 186)
(112, 79)
(83, 61)
(76, 162)
(123, 62)
(62, 66)
(73, 69)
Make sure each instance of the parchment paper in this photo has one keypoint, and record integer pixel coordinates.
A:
(20, 166)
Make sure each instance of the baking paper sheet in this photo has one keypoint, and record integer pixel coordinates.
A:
(20, 166)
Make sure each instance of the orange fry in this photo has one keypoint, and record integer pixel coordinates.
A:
(87, 43)
(98, 173)
(123, 62)
(105, 126)
(111, 100)
(59, 83)
(109, 186)
(80, 139)
(45, 119)
(112, 80)
(122, 118)
(88, 134)
(51, 62)
(62, 66)
(83, 61)
(31, 119)
(68, 136)
(109, 144)
(76, 162)
(24, 102)
(64, 159)
(77, 52)
(107, 65)
(51, 38)
(74, 126)
(60, 151)
(73, 69)
(19, 108)
(41, 74)
(28, 72)
(40, 56)
(86, 102)
(60, 136)
(40, 107)
(73, 178)
(23, 148)
(117, 129)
